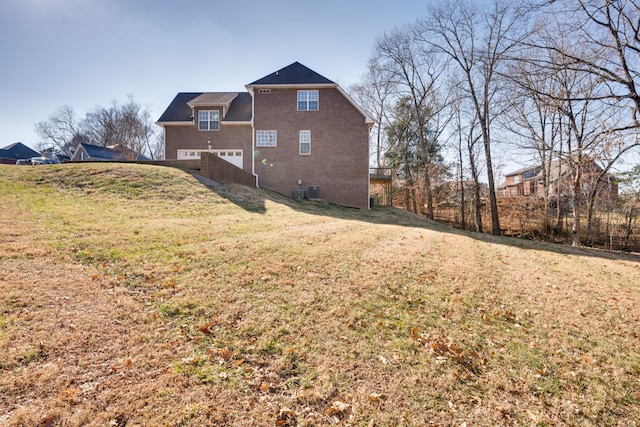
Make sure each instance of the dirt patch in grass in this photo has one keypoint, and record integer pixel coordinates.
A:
(239, 307)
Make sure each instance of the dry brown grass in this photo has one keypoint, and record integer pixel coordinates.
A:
(134, 295)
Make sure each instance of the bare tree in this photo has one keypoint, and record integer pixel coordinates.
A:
(376, 93)
(128, 126)
(479, 41)
(416, 72)
(62, 129)
(608, 33)
(567, 79)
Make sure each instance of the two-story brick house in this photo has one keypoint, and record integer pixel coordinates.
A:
(293, 130)
(529, 182)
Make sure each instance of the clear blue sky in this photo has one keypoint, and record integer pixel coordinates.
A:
(86, 53)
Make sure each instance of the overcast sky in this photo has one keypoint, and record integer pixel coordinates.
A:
(86, 53)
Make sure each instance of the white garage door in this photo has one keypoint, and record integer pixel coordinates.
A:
(232, 156)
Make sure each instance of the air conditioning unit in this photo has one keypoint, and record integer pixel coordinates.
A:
(314, 192)
(298, 195)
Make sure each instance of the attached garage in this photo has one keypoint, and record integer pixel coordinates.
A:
(233, 156)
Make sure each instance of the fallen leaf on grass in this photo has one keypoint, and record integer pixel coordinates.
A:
(225, 354)
(339, 409)
(70, 394)
(206, 328)
(444, 348)
(286, 418)
(376, 397)
(49, 421)
(265, 386)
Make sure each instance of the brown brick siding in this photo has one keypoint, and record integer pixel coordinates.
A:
(339, 159)
(213, 167)
(187, 136)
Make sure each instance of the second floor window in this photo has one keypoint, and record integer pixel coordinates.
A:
(208, 120)
(308, 100)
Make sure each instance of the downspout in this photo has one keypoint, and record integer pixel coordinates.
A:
(253, 137)
(164, 144)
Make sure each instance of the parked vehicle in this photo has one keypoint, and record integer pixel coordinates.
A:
(37, 161)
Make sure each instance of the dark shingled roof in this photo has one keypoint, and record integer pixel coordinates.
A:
(17, 151)
(120, 153)
(294, 74)
(180, 111)
(240, 109)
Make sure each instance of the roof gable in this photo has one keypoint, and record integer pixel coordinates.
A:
(213, 98)
(181, 108)
(18, 150)
(294, 74)
(118, 153)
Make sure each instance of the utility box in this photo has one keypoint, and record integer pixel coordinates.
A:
(298, 195)
(314, 192)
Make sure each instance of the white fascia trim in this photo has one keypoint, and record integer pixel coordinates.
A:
(163, 124)
(292, 86)
(367, 119)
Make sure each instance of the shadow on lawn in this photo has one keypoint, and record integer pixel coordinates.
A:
(254, 200)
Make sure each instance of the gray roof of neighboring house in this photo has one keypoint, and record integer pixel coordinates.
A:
(17, 151)
(294, 74)
(96, 152)
(527, 172)
(180, 108)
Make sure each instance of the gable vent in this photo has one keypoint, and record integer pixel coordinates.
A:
(264, 91)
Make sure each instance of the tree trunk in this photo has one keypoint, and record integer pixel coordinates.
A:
(476, 191)
(462, 210)
(429, 193)
(577, 200)
(493, 202)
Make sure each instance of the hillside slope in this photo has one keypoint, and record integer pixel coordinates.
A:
(135, 295)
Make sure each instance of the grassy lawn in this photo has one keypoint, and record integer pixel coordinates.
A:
(135, 295)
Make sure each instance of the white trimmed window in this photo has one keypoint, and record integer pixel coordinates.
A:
(308, 100)
(208, 120)
(305, 142)
(266, 138)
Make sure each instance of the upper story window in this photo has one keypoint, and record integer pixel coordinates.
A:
(266, 138)
(305, 142)
(208, 120)
(308, 100)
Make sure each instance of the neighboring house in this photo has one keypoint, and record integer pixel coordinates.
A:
(16, 151)
(522, 182)
(529, 181)
(87, 153)
(294, 130)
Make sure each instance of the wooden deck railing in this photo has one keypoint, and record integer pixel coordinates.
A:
(380, 173)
